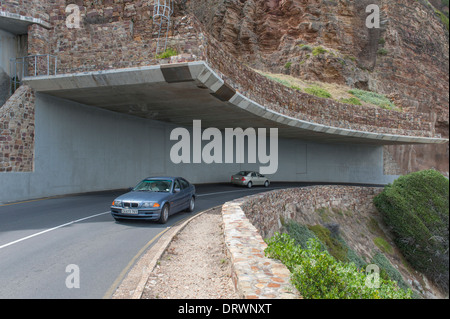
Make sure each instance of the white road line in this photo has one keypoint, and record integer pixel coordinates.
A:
(51, 229)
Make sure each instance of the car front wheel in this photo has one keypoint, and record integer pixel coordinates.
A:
(164, 214)
(191, 204)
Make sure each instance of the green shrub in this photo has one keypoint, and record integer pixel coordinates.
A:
(318, 50)
(300, 233)
(373, 98)
(334, 246)
(288, 65)
(352, 100)
(317, 91)
(416, 208)
(443, 18)
(167, 54)
(338, 247)
(383, 245)
(317, 275)
(387, 271)
(352, 256)
(382, 51)
(305, 47)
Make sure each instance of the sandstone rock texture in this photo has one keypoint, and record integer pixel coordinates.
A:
(405, 59)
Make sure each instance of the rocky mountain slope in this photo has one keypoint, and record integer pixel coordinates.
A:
(406, 59)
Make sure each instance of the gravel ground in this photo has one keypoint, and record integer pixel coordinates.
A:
(194, 265)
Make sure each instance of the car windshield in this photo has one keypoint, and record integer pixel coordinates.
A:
(243, 173)
(154, 185)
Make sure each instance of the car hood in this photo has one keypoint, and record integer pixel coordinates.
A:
(144, 196)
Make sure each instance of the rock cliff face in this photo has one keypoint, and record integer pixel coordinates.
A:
(327, 40)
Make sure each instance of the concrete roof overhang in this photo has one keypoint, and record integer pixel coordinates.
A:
(18, 24)
(181, 93)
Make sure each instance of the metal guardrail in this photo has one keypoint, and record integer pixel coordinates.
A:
(32, 65)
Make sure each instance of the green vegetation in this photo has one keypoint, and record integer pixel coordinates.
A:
(295, 87)
(331, 91)
(279, 80)
(443, 18)
(328, 239)
(317, 91)
(300, 233)
(416, 207)
(384, 246)
(319, 50)
(438, 11)
(305, 47)
(351, 100)
(387, 271)
(334, 246)
(318, 275)
(288, 65)
(382, 51)
(167, 54)
(374, 227)
(373, 98)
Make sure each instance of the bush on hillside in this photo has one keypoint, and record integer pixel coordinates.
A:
(317, 275)
(416, 208)
(319, 92)
(373, 98)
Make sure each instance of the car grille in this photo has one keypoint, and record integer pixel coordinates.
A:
(130, 205)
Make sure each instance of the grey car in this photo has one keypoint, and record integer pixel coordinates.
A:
(155, 198)
(249, 179)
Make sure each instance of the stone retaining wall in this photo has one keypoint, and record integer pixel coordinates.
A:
(116, 34)
(254, 275)
(17, 132)
(267, 212)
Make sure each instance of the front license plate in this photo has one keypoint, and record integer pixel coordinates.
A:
(130, 211)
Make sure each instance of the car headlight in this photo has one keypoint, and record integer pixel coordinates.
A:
(117, 203)
(150, 205)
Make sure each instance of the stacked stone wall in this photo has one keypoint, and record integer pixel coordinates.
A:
(28, 8)
(267, 211)
(17, 132)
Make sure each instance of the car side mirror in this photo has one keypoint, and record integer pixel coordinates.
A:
(130, 189)
(176, 190)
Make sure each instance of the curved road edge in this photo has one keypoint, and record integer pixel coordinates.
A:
(132, 282)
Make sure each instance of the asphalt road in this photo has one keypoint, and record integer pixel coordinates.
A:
(39, 239)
